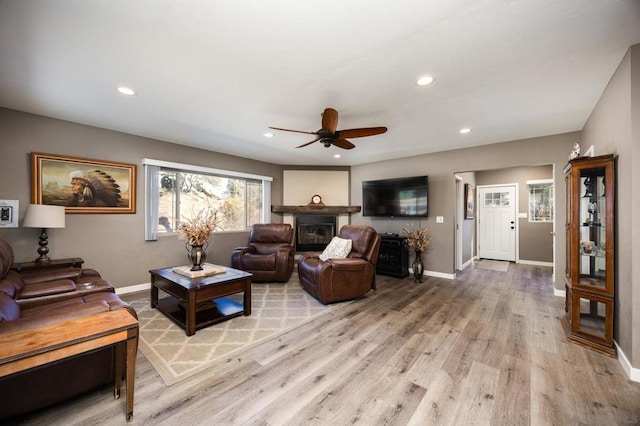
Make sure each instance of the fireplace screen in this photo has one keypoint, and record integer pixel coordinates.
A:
(313, 233)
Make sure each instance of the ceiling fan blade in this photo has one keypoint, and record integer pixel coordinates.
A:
(360, 133)
(295, 131)
(330, 119)
(343, 143)
(308, 143)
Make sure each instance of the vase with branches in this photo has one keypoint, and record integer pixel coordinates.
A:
(196, 231)
(417, 240)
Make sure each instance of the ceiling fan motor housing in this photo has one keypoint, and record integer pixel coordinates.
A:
(326, 141)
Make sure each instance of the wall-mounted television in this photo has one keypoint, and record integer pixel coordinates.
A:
(400, 197)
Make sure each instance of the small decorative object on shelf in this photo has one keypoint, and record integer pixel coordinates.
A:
(575, 151)
(316, 201)
(417, 240)
(590, 256)
(196, 232)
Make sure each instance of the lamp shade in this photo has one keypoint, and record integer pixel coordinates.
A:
(44, 216)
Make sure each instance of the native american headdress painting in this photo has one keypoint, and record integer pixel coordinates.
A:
(94, 189)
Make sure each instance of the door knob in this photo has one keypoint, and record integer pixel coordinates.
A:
(513, 227)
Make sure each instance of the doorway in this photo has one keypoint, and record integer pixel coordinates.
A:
(497, 230)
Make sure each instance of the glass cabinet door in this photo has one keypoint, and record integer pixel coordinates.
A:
(592, 221)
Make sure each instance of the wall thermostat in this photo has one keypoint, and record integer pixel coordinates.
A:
(9, 213)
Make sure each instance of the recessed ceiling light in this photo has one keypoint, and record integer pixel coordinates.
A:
(126, 91)
(267, 135)
(465, 130)
(425, 80)
(336, 155)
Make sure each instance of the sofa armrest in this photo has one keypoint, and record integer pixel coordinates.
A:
(47, 288)
(348, 264)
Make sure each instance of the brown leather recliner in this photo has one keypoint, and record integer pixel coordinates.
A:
(269, 256)
(337, 280)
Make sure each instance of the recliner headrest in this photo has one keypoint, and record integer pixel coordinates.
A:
(6, 258)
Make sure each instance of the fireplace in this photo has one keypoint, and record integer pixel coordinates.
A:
(314, 232)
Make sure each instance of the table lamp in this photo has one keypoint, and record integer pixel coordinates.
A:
(44, 216)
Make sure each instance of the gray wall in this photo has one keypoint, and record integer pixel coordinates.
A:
(536, 241)
(441, 168)
(111, 243)
(614, 128)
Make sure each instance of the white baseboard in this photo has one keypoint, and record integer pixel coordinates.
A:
(560, 293)
(133, 288)
(632, 372)
(535, 263)
(467, 263)
(436, 274)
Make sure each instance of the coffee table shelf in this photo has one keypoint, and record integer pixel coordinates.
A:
(177, 312)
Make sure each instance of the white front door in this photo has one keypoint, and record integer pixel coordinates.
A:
(497, 222)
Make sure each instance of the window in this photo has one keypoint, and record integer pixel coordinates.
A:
(496, 199)
(178, 191)
(540, 200)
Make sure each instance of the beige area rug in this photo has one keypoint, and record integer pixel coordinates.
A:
(275, 309)
(493, 265)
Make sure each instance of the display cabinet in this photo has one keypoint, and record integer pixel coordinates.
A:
(589, 272)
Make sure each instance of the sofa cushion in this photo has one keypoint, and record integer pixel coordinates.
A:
(9, 309)
(338, 248)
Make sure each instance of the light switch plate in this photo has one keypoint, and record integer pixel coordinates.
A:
(439, 219)
(9, 213)
(522, 215)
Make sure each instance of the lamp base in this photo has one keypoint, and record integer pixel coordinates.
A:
(43, 249)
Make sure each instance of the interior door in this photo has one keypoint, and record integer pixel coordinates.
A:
(497, 222)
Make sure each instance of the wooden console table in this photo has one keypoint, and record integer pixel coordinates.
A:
(26, 349)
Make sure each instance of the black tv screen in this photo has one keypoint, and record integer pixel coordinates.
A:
(400, 197)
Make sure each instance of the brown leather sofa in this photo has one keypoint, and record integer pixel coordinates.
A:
(337, 280)
(47, 285)
(269, 256)
(31, 390)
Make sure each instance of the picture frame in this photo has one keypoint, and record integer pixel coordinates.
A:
(83, 185)
(470, 201)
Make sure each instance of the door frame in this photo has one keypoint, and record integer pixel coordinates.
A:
(458, 223)
(516, 215)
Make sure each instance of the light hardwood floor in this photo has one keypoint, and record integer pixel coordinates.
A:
(487, 349)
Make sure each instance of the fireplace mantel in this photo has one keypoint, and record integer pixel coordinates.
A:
(332, 210)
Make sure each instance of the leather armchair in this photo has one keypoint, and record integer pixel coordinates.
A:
(47, 285)
(337, 280)
(269, 255)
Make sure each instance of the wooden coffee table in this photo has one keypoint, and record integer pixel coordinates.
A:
(192, 302)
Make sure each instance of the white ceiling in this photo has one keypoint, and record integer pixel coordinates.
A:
(215, 74)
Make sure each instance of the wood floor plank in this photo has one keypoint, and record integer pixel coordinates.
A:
(486, 348)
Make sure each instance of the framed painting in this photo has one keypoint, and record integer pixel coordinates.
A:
(470, 201)
(83, 185)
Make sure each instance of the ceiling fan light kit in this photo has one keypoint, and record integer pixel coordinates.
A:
(328, 135)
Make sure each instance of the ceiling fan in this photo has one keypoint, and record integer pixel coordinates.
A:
(328, 135)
